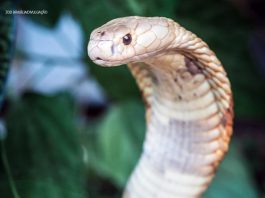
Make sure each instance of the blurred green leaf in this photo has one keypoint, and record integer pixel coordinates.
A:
(117, 82)
(43, 148)
(118, 142)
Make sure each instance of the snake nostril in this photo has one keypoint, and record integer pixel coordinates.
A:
(97, 58)
(101, 33)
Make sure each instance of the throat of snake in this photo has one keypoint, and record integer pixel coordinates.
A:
(182, 110)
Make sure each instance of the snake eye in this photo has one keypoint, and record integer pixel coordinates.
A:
(127, 39)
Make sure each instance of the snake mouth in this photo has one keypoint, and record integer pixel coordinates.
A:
(100, 61)
(105, 63)
(98, 58)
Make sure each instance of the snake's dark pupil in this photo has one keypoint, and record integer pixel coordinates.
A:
(127, 39)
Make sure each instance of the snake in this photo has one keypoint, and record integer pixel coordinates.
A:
(188, 100)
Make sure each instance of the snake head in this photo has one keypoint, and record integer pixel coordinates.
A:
(130, 39)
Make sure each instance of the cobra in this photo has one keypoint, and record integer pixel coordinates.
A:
(189, 107)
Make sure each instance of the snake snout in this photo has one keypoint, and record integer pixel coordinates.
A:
(100, 51)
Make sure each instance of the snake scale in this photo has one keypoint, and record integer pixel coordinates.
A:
(189, 106)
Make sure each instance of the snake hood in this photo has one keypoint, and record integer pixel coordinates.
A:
(130, 39)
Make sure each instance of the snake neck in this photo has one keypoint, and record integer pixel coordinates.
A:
(189, 118)
(183, 109)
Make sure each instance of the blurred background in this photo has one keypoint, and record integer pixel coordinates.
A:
(71, 129)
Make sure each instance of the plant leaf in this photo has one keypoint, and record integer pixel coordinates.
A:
(43, 148)
(118, 142)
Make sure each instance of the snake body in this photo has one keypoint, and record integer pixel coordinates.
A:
(189, 107)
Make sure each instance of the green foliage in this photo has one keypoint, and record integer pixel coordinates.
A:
(118, 141)
(43, 149)
(117, 82)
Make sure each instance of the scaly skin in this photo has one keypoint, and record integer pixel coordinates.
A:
(189, 108)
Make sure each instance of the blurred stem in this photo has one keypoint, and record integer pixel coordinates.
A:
(8, 171)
